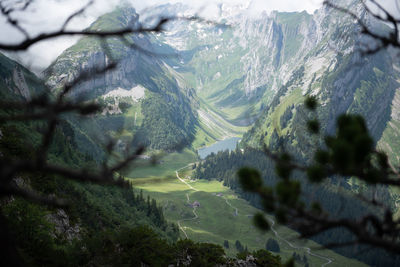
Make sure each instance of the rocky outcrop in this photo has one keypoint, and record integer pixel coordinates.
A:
(249, 262)
(63, 227)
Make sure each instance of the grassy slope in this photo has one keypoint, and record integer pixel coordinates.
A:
(166, 167)
(217, 220)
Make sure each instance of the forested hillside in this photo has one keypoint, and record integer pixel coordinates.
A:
(343, 82)
(100, 225)
(49, 236)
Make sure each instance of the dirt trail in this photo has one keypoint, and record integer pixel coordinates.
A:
(309, 251)
(183, 181)
(329, 261)
(182, 228)
(236, 210)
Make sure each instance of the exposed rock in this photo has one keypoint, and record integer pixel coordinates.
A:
(63, 227)
(136, 93)
(20, 83)
(249, 262)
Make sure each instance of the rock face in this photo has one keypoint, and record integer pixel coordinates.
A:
(324, 63)
(88, 56)
(21, 87)
(238, 69)
(143, 83)
(256, 68)
(17, 81)
(62, 226)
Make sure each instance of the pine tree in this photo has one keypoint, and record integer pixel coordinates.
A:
(226, 243)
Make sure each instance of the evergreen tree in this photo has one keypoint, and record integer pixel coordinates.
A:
(239, 246)
(272, 245)
(226, 243)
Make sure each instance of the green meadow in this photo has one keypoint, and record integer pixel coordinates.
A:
(221, 215)
(161, 165)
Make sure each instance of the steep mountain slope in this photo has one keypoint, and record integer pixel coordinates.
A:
(48, 236)
(16, 81)
(343, 81)
(325, 63)
(144, 95)
(263, 65)
(237, 67)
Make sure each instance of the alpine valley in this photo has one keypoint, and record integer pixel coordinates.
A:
(203, 98)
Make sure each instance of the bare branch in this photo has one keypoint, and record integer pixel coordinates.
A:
(13, 22)
(77, 13)
(46, 36)
(32, 196)
(384, 41)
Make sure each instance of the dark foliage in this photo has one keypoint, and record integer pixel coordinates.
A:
(272, 245)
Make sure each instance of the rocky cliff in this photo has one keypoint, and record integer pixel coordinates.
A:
(146, 76)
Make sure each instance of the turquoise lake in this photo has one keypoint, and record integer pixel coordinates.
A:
(226, 144)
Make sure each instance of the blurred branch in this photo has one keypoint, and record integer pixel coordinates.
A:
(29, 41)
(383, 40)
(76, 14)
(50, 108)
(350, 152)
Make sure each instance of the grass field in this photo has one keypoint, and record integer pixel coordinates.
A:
(222, 215)
(165, 167)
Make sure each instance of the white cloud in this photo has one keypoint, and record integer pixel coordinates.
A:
(48, 15)
(393, 6)
(288, 6)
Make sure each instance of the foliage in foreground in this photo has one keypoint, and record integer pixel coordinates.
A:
(348, 153)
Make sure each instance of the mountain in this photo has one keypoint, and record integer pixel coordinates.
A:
(237, 66)
(45, 235)
(343, 81)
(259, 68)
(100, 225)
(144, 95)
(262, 66)
(17, 81)
(221, 79)
(296, 55)
(200, 82)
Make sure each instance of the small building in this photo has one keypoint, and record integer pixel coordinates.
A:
(196, 204)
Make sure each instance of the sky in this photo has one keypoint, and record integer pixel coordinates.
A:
(48, 15)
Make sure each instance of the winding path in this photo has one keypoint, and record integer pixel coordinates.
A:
(329, 261)
(236, 210)
(190, 219)
(309, 252)
(188, 201)
(183, 181)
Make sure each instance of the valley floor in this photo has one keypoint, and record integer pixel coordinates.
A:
(207, 211)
